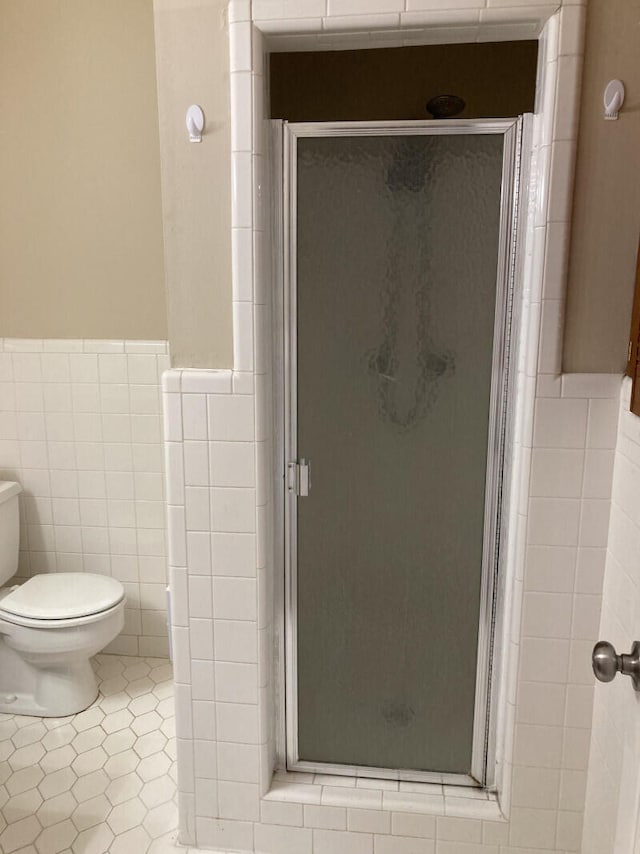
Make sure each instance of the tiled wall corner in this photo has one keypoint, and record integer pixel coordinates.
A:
(81, 430)
(569, 504)
(218, 565)
(611, 814)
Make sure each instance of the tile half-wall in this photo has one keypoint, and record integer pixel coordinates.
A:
(81, 430)
(612, 822)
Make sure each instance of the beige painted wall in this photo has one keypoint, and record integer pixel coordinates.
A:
(606, 220)
(80, 223)
(192, 57)
(192, 67)
(80, 210)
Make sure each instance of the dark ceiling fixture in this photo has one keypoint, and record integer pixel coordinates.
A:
(445, 106)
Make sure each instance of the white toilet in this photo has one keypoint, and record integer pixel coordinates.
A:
(50, 626)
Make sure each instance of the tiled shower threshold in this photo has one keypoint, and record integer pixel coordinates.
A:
(99, 782)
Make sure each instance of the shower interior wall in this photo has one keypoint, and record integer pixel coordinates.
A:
(225, 569)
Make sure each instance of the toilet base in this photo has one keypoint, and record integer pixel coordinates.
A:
(63, 689)
(57, 693)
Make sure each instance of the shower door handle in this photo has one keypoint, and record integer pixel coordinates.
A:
(606, 663)
(299, 477)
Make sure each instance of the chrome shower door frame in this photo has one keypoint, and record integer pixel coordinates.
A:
(284, 143)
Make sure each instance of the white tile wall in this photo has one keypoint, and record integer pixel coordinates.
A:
(213, 568)
(221, 529)
(81, 430)
(612, 806)
(223, 712)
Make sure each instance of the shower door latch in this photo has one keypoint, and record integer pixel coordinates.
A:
(299, 477)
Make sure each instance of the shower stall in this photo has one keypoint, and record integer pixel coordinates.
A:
(399, 271)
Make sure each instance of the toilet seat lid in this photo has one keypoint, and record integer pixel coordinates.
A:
(63, 596)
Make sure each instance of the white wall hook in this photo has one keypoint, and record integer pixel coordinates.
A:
(613, 99)
(195, 123)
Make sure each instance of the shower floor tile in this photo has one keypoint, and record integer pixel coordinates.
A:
(100, 782)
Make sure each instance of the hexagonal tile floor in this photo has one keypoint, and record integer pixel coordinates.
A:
(100, 781)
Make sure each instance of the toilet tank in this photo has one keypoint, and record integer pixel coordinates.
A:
(9, 529)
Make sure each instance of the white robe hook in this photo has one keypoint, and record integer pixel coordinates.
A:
(195, 123)
(613, 99)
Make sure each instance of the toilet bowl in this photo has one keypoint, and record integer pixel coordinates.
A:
(50, 627)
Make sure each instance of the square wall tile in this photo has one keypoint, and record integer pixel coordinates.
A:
(79, 441)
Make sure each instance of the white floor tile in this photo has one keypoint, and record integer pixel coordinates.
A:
(98, 781)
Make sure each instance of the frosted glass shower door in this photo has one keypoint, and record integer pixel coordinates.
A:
(396, 298)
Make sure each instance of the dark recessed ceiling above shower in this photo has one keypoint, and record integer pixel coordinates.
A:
(494, 80)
